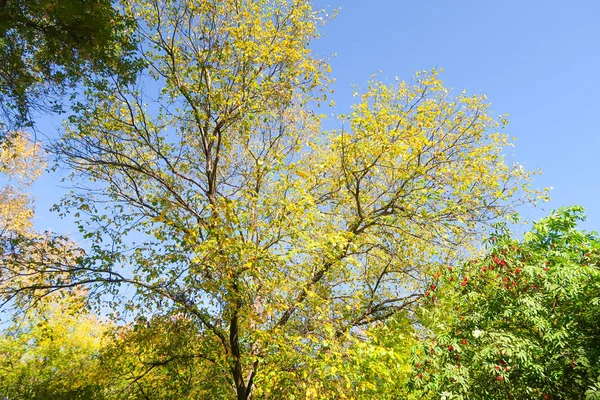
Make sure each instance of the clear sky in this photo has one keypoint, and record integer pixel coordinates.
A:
(538, 61)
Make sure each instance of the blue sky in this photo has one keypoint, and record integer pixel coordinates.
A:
(538, 61)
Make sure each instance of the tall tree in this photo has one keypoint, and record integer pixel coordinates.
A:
(46, 46)
(210, 188)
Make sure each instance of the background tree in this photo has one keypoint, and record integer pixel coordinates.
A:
(520, 322)
(51, 348)
(210, 188)
(23, 249)
(161, 358)
(21, 162)
(53, 352)
(378, 364)
(46, 46)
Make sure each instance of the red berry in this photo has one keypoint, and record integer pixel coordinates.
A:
(546, 269)
(450, 348)
(497, 367)
(484, 269)
(463, 283)
(420, 375)
(432, 287)
(464, 341)
(500, 378)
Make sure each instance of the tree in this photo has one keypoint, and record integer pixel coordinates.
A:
(22, 248)
(521, 321)
(50, 350)
(161, 358)
(210, 188)
(379, 365)
(46, 46)
(21, 161)
(53, 352)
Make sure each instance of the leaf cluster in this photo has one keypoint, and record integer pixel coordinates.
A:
(47, 46)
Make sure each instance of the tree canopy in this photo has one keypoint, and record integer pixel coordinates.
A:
(214, 192)
(254, 253)
(47, 46)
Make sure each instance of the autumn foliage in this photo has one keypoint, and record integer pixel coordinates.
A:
(232, 247)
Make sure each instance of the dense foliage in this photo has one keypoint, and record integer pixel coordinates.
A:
(53, 353)
(210, 189)
(243, 251)
(46, 46)
(521, 322)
